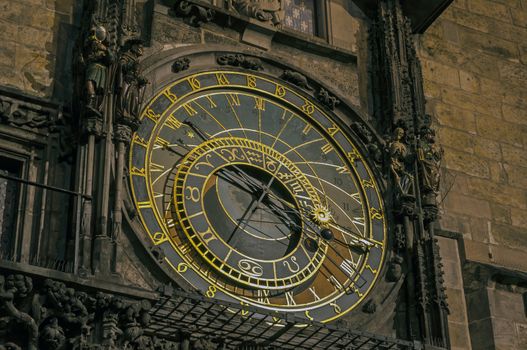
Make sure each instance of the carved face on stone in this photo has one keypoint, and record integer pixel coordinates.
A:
(137, 49)
(398, 134)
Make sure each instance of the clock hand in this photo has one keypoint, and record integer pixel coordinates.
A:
(249, 208)
(356, 239)
(252, 208)
(243, 176)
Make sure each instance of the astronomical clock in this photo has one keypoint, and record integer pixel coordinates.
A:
(256, 192)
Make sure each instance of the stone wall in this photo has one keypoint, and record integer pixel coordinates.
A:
(475, 66)
(315, 57)
(37, 43)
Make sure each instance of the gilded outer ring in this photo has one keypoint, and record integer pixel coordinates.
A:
(286, 95)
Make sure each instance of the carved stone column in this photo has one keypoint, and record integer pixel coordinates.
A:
(414, 160)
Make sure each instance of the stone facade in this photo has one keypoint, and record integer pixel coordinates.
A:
(38, 37)
(475, 66)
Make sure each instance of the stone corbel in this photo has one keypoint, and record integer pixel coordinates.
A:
(192, 11)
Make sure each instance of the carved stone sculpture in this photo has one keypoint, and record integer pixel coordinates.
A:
(326, 99)
(239, 60)
(181, 64)
(398, 152)
(56, 317)
(130, 84)
(52, 336)
(196, 14)
(430, 155)
(262, 10)
(13, 288)
(96, 58)
(395, 269)
(297, 79)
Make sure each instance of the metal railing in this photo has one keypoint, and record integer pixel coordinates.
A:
(57, 264)
(245, 327)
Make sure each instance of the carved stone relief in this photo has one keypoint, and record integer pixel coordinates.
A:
(269, 11)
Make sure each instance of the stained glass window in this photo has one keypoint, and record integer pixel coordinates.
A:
(300, 15)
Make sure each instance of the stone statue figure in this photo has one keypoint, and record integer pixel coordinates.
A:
(130, 83)
(96, 58)
(52, 335)
(262, 10)
(398, 153)
(429, 158)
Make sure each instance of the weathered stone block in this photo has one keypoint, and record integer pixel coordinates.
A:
(514, 114)
(448, 248)
(456, 139)
(499, 193)
(516, 175)
(504, 304)
(456, 303)
(490, 9)
(7, 53)
(521, 331)
(478, 103)
(510, 236)
(466, 163)
(166, 30)
(497, 172)
(441, 73)
(500, 130)
(500, 213)
(469, 81)
(455, 117)
(519, 217)
(519, 18)
(471, 20)
(514, 155)
(490, 44)
(487, 149)
(453, 281)
(513, 73)
(503, 333)
(466, 205)
(33, 37)
(511, 258)
(432, 90)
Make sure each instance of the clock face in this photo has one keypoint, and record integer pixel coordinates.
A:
(256, 195)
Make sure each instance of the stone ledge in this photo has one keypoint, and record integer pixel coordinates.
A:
(491, 254)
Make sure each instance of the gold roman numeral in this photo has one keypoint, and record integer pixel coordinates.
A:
(333, 130)
(233, 99)
(326, 148)
(289, 298)
(251, 81)
(263, 296)
(170, 95)
(150, 114)
(308, 108)
(259, 103)
(222, 79)
(279, 90)
(211, 102)
(189, 109)
(194, 83)
(173, 123)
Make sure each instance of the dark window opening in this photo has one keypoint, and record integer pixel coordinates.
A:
(9, 196)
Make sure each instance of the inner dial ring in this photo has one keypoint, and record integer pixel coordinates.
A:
(261, 182)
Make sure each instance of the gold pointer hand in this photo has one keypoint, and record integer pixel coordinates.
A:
(356, 240)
